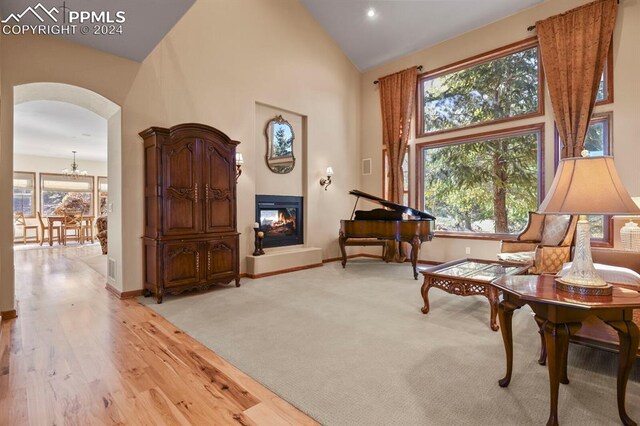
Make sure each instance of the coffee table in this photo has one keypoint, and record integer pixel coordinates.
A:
(469, 277)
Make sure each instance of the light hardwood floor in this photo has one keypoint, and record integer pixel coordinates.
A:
(76, 355)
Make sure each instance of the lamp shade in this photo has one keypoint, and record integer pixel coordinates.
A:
(588, 185)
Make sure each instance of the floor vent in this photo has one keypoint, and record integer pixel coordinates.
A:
(112, 269)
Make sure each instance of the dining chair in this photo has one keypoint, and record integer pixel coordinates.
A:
(72, 221)
(44, 230)
(20, 220)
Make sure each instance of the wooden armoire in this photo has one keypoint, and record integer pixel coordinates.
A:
(190, 236)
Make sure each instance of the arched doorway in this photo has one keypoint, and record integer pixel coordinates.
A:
(111, 112)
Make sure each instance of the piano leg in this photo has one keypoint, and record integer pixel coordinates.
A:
(415, 250)
(342, 240)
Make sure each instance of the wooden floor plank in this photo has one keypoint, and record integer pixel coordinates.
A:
(77, 355)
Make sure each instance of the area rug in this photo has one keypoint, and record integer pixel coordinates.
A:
(351, 347)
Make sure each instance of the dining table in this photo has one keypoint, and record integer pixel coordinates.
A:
(52, 220)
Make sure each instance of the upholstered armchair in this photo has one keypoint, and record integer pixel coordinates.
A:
(546, 243)
(101, 225)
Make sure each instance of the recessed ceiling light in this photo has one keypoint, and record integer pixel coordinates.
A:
(371, 12)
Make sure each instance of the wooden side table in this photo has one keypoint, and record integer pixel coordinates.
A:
(469, 277)
(560, 315)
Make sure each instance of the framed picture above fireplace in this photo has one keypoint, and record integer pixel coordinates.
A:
(280, 218)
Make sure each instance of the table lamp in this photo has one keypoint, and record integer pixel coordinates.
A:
(586, 185)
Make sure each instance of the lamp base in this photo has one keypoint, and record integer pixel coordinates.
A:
(605, 290)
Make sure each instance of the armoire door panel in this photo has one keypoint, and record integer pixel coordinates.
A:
(219, 188)
(182, 263)
(221, 257)
(181, 211)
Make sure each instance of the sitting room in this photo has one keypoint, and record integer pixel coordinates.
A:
(319, 212)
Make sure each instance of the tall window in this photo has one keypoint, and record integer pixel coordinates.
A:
(406, 193)
(24, 193)
(498, 86)
(103, 194)
(60, 192)
(485, 183)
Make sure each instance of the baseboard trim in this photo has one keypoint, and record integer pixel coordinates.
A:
(7, 315)
(429, 262)
(283, 271)
(123, 294)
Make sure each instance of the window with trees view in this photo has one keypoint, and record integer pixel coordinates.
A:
(498, 86)
(60, 192)
(24, 193)
(484, 183)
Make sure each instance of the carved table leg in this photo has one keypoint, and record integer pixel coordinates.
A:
(628, 334)
(505, 315)
(557, 340)
(415, 249)
(492, 295)
(342, 240)
(543, 346)
(426, 285)
(238, 282)
(564, 378)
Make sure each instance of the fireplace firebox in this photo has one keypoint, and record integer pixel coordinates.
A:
(280, 218)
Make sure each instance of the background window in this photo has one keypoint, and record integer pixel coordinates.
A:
(24, 193)
(483, 183)
(61, 192)
(495, 87)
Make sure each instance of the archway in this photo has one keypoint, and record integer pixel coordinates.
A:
(111, 112)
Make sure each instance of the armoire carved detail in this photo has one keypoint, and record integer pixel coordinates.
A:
(190, 209)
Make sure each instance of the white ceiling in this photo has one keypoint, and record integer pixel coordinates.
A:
(403, 26)
(146, 21)
(54, 129)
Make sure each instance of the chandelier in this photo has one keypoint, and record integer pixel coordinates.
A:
(74, 173)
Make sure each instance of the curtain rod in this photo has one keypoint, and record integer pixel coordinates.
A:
(533, 27)
(419, 69)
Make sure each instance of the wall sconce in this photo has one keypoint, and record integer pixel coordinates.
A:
(239, 163)
(326, 182)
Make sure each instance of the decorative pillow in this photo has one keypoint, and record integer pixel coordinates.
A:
(555, 227)
(517, 257)
(611, 274)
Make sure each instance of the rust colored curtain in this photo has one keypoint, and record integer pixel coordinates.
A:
(397, 96)
(574, 47)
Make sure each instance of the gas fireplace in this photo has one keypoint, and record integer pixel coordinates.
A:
(280, 218)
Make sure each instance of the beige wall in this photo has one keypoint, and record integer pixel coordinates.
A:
(221, 59)
(626, 110)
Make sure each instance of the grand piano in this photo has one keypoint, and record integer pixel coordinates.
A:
(393, 222)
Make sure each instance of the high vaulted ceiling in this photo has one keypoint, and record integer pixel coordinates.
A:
(399, 27)
(146, 21)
